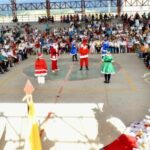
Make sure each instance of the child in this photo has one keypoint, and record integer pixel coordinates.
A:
(107, 67)
(40, 68)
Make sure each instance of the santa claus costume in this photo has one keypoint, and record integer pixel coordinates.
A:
(84, 54)
(54, 57)
(40, 68)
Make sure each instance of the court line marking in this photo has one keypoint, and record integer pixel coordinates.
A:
(147, 80)
(60, 90)
(129, 80)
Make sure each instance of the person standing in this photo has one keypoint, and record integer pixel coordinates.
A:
(107, 68)
(92, 46)
(40, 68)
(54, 57)
(37, 45)
(104, 48)
(74, 51)
(84, 55)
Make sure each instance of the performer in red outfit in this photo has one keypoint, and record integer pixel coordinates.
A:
(40, 68)
(84, 54)
(54, 57)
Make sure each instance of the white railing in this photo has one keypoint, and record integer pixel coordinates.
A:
(34, 17)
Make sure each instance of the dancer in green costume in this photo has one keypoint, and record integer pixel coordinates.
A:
(107, 67)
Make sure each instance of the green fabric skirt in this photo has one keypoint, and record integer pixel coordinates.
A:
(107, 68)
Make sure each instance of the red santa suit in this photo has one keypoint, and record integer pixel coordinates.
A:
(40, 66)
(84, 55)
(54, 57)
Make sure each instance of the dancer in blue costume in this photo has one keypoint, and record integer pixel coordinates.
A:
(104, 48)
(107, 68)
(74, 51)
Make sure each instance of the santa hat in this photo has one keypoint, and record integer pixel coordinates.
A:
(40, 55)
(84, 41)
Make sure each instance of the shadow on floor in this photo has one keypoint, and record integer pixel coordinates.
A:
(107, 131)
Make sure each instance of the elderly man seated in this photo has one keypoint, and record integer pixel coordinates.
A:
(3, 63)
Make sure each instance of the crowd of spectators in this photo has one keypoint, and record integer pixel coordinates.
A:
(86, 18)
(12, 47)
(46, 19)
(130, 34)
(124, 34)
